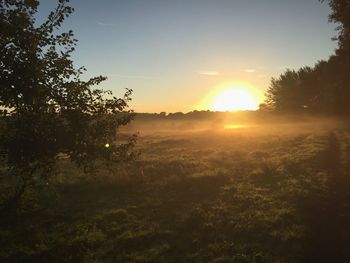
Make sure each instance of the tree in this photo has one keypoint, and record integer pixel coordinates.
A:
(341, 15)
(293, 91)
(47, 111)
(323, 88)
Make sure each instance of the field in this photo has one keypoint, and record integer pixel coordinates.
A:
(200, 193)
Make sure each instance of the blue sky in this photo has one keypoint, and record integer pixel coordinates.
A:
(174, 53)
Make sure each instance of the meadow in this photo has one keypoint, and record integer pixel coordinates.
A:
(199, 192)
(257, 172)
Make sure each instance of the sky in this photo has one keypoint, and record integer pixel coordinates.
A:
(173, 53)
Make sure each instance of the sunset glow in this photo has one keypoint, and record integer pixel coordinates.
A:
(234, 99)
(236, 126)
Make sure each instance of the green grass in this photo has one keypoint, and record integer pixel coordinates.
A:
(209, 196)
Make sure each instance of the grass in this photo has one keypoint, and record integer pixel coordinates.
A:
(238, 195)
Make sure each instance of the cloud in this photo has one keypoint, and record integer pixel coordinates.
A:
(250, 70)
(208, 73)
(130, 76)
(105, 24)
(261, 76)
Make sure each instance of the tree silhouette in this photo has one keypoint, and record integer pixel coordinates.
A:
(340, 15)
(47, 111)
(294, 91)
(323, 88)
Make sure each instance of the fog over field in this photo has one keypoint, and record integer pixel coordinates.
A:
(248, 122)
(270, 190)
(202, 132)
(225, 189)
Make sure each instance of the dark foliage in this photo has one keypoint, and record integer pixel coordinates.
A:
(324, 88)
(47, 111)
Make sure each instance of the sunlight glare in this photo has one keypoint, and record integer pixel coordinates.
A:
(234, 99)
(235, 126)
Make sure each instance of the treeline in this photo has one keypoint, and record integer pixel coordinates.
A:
(323, 88)
(193, 115)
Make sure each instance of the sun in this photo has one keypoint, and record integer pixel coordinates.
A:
(235, 99)
(232, 96)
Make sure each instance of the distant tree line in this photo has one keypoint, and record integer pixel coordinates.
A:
(193, 115)
(323, 88)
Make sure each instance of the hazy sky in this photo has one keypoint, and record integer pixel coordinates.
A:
(173, 53)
